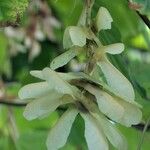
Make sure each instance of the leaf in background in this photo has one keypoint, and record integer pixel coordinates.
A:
(68, 10)
(12, 90)
(133, 137)
(146, 106)
(107, 36)
(141, 78)
(59, 133)
(142, 75)
(5, 66)
(12, 10)
(37, 124)
(76, 138)
(32, 139)
(6, 143)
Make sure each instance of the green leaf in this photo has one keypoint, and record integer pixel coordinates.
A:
(103, 19)
(42, 106)
(95, 137)
(68, 11)
(74, 36)
(34, 90)
(107, 36)
(64, 58)
(141, 77)
(117, 81)
(34, 138)
(11, 10)
(82, 18)
(60, 132)
(134, 136)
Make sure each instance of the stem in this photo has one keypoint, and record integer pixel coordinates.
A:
(88, 13)
(12, 127)
(136, 7)
(143, 134)
(13, 104)
(89, 5)
(145, 19)
(88, 8)
(20, 105)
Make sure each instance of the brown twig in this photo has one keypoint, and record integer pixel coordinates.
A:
(136, 7)
(145, 19)
(13, 104)
(16, 104)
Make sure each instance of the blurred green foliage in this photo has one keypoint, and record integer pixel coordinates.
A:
(5, 66)
(12, 10)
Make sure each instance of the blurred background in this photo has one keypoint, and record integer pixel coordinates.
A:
(37, 39)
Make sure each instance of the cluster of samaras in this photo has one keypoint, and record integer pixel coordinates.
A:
(88, 96)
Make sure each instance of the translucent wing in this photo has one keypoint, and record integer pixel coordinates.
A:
(64, 58)
(116, 48)
(94, 134)
(60, 132)
(56, 82)
(34, 90)
(117, 81)
(103, 19)
(112, 133)
(74, 36)
(42, 106)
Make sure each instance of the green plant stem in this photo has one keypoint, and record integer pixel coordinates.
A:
(88, 5)
(88, 13)
(14, 104)
(20, 105)
(12, 127)
(143, 134)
